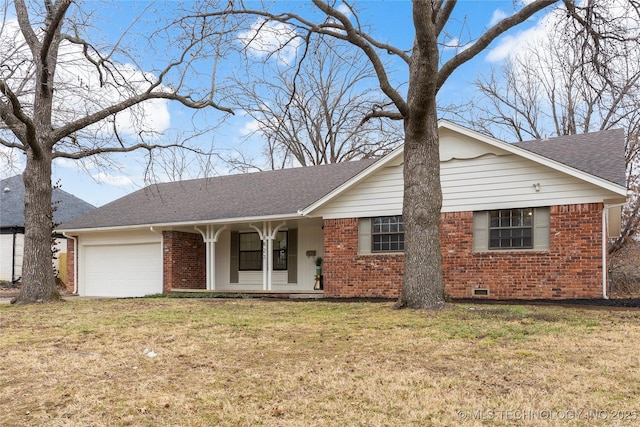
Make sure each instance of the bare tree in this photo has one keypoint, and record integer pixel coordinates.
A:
(49, 112)
(311, 113)
(549, 89)
(427, 72)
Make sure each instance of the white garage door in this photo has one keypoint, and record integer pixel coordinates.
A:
(122, 270)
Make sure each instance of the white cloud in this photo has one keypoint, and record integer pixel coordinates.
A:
(510, 44)
(79, 91)
(266, 38)
(249, 128)
(619, 13)
(11, 162)
(345, 10)
(119, 180)
(498, 15)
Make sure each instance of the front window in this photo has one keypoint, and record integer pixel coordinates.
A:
(511, 229)
(250, 252)
(387, 234)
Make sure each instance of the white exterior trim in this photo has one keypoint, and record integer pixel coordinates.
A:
(501, 149)
(353, 181)
(607, 185)
(223, 221)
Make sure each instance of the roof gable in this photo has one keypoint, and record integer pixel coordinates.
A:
(12, 196)
(460, 143)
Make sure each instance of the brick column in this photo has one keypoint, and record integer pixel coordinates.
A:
(184, 261)
(71, 267)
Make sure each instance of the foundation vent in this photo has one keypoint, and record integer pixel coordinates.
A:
(481, 292)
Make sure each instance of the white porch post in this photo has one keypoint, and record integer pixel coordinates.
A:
(267, 235)
(210, 236)
(265, 264)
(270, 238)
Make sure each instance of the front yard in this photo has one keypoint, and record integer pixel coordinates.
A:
(212, 362)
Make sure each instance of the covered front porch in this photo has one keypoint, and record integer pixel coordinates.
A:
(271, 256)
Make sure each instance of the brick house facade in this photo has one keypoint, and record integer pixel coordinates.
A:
(575, 252)
(519, 221)
(183, 261)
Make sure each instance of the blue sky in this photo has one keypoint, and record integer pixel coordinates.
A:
(390, 21)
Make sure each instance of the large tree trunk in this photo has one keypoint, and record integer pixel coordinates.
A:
(38, 279)
(422, 286)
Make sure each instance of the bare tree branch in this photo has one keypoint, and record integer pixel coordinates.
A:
(489, 36)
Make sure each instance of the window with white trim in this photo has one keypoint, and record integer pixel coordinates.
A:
(511, 229)
(387, 234)
(383, 234)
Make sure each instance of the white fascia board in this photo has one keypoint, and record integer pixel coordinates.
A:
(576, 173)
(354, 180)
(223, 221)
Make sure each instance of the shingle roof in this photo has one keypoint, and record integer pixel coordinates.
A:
(284, 192)
(12, 203)
(259, 194)
(598, 153)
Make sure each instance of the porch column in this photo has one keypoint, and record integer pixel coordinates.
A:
(263, 233)
(267, 235)
(210, 236)
(270, 238)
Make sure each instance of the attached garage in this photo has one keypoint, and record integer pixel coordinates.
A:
(121, 270)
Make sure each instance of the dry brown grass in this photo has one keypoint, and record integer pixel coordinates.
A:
(281, 363)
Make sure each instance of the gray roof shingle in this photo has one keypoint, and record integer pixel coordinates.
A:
(277, 192)
(12, 203)
(598, 153)
(286, 191)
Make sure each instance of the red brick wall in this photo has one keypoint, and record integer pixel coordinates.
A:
(71, 267)
(572, 268)
(347, 274)
(184, 261)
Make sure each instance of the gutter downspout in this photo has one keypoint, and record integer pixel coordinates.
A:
(604, 253)
(75, 261)
(605, 268)
(13, 256)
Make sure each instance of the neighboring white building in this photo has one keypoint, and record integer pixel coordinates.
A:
(12, 225)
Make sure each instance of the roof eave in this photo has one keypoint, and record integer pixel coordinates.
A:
(223, 221)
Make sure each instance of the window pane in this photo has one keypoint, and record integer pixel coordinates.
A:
(280, 252)
(387, 234)
(250, 261)
(250, 242)
(511, 229)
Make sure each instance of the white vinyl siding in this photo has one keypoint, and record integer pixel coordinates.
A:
(483, 183)
(378, 195)
(8, 258)
(506, 182)
(541, 221)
